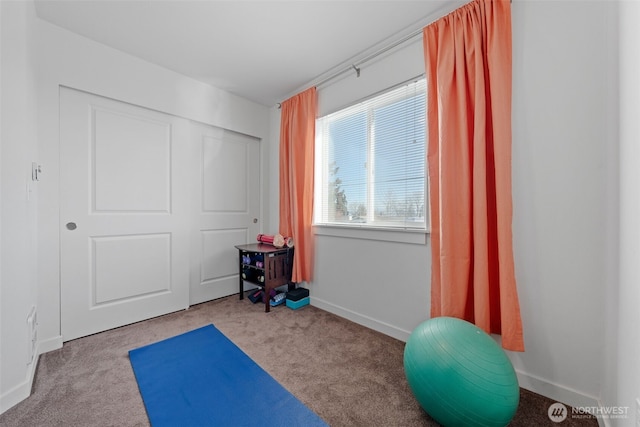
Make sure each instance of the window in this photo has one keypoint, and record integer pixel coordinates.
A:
(371, 162)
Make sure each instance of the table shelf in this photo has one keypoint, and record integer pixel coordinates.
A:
(277, 264)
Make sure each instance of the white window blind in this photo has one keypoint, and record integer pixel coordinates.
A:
(371, 162)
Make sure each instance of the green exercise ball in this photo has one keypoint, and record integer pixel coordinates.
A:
(459, 374)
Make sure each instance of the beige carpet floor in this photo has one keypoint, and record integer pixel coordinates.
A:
(346, 373)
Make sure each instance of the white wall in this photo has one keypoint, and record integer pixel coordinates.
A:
(18, 209)
(370, 279)
(564, 170)
(623, 371)
(38, 60)
(69, 60)
(564, 144)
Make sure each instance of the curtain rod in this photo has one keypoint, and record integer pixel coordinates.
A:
(373, 55)
(377, 53)
(364, 60)
(370, 57)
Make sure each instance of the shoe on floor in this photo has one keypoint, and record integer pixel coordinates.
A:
(278, 299)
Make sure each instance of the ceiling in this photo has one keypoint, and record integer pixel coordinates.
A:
(262, 50)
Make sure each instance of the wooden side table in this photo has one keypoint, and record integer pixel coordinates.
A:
(266, 266)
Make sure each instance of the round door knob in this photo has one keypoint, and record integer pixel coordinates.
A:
(255, 220)
(71, 226)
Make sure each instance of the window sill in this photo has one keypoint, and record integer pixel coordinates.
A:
(412, 236)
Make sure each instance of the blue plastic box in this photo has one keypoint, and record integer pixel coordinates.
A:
(294, 305)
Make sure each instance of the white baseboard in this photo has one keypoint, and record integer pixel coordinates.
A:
(529, 382)
(555, 391)
(559, 393)
(369, 322)
(50, 344)
(23, 390)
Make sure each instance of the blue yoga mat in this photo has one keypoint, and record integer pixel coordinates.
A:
(201, 378)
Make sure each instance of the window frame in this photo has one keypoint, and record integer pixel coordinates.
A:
(378, 230)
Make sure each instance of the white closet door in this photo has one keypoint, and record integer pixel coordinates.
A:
(227, 211)
(124, 212)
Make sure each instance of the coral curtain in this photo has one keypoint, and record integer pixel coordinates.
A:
(468, 68)
(297, 137)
